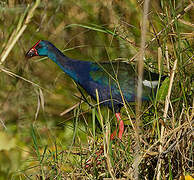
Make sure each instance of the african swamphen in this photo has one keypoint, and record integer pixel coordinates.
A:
(110, 79)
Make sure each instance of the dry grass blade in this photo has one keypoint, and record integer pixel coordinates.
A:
(159, 59)
(38, 105)
(71, 108)
(167, 102)
(40, 102)
(105, 141)
(3, 124)
(41, 98)
(139, 89)
(190, 6)
(17, 34)
(186, 23)
(148, 151)
(167, 59)
(20, 77)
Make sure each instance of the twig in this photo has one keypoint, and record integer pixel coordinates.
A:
(165, 116)
(176, 142)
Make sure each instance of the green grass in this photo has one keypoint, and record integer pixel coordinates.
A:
(37, 142)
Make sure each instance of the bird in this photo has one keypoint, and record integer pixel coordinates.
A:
(110, 82)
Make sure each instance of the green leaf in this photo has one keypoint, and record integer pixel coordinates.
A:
(163, 91)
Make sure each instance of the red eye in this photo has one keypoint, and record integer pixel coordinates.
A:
(38, 46)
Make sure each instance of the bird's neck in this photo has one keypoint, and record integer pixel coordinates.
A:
(65, 63)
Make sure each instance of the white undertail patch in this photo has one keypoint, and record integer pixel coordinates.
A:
(150, 84)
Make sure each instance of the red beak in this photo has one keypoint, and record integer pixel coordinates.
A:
(32, 52)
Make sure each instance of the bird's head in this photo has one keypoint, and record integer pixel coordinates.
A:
(41, 48)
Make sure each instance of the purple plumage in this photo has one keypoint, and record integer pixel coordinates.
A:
(110, 79)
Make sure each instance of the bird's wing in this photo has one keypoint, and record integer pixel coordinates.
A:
(119, 76)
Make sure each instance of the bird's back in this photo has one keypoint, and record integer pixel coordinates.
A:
(114, 79)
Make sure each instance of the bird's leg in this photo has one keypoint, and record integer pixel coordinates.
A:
(121, 130)
(121, 127)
